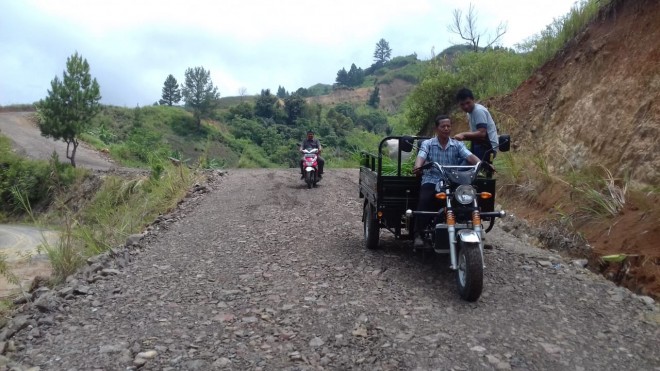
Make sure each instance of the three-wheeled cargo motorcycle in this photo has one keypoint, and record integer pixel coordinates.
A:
(465, 197)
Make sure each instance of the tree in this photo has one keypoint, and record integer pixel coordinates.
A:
(265, 105)
(243, 109)
(199, 92)
(303, 92)
(355, 76)
(241, 92)
(171, 92)
(374, 121)
(71, 104)
(294, 105)
(281, 92)
(466, 28)
(434, 94)
(383, 52)
(342, 77)
(374, 98)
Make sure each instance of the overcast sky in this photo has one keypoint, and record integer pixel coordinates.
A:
(132, 45)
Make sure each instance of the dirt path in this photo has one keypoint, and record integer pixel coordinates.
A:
(265, 275)
(28, 141)
(19, 244)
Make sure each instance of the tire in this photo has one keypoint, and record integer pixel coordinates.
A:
(308, 179)
(470, 272)
(371, 228)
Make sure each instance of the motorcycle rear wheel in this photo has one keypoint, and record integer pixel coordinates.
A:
(470, 272)
(371, 229)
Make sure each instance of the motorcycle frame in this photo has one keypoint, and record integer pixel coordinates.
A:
(466, 232)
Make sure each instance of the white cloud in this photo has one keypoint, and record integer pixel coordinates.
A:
(133, 45)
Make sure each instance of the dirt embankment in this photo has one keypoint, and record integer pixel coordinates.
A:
(597, 103)
(391, 95)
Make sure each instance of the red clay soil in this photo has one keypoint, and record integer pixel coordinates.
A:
(598, 103)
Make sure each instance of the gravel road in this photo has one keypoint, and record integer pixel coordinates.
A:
(265, 274)
(28, 141)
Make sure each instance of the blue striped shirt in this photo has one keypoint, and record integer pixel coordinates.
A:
(454, 154)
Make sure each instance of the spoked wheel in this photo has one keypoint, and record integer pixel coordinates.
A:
(470, 272)
(371, 229)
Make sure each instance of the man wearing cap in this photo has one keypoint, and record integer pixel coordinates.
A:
(312, 142)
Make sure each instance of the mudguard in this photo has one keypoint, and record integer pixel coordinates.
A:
(469, 236)
(309, 168)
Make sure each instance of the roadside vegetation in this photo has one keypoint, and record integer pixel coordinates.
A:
(93, 214)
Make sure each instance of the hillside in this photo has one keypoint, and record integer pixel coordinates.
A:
(594, 108)
(597, 101)
(392, 95)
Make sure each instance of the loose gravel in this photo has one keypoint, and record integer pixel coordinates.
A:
(261, 273)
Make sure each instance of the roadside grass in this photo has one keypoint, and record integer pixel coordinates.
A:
(120, 207)
(594, 193)
(253, 157)
(123, 207)
(603, 196)
(36, 179)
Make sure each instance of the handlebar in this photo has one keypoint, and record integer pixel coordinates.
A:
(442, 168)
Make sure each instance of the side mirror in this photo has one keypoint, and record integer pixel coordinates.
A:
(505, 142)
(406, 144)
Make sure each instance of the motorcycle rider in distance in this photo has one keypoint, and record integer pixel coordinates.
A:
(445, 151)
(311, 142)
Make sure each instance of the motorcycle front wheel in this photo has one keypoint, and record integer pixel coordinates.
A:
(309, 179)
(470, 272)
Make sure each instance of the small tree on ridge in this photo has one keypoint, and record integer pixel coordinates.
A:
(71, 104)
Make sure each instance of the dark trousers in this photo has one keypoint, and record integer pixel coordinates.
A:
(427, 202)
(319, 159)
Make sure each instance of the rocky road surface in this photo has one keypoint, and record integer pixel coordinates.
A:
(29, 142)
(263, 274)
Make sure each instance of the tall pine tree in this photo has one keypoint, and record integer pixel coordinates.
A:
(171, 92)
(355, 76)
(383, 52)
(281, 92)
(199, 92)
(342, 77)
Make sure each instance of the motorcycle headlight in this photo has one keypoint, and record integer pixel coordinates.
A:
(465, 194)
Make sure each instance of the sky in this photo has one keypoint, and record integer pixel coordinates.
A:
(132, 45)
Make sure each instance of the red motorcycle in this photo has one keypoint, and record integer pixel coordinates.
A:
(311, 166)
